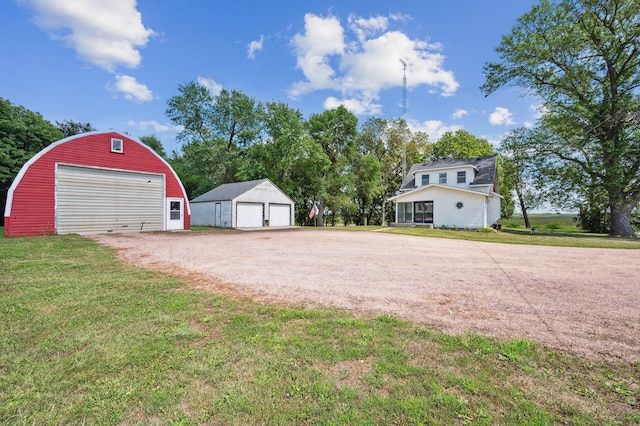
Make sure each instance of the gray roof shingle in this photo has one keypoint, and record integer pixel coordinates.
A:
(487, 167)
(228, 191)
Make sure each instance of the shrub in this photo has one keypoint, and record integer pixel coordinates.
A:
(487, 230)
(554, 225)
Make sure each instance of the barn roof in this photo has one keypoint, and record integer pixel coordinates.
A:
(228, 191)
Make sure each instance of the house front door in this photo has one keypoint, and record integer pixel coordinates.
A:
(423, 212)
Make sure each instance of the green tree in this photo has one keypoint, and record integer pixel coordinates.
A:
(519, 172)
(279, 148)
(582, 59)
(460, 144)
(72, 128)
(154, 143)
(192, 109)
(367, 186)
(23, 133)
(334, 131)
(217, 130)
(384, 140)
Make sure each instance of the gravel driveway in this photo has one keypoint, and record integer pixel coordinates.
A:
(582, 301)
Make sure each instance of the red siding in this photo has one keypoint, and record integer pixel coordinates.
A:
(33, 203)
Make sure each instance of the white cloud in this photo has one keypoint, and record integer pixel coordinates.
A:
(131, 89)
(501, 116)
(459, 113)
(369, 62)
(255, 46)
(214, 87)
(106, 33)
(323, 38)
(364, 28)
(154, 125)
(434, 128)
(538, 110)
(356, 106)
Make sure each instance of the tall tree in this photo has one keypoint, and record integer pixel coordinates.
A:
(192, 109)
(279, 148)
(384, 140)
(23, 133)
(582, 58)
(334, 131)
(519, 172)
(216, 129)
(460, 144)
(154, 143)
(72, 128)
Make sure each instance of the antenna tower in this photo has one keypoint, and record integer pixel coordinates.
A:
(404, 117)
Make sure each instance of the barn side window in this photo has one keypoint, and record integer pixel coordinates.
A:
(116, 145)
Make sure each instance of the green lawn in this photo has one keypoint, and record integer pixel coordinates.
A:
(86, 339)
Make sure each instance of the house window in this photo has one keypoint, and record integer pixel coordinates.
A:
(404, 213)
(424, 212)
(116, 145)
(462, 177)
(443, 178)
(425, 180)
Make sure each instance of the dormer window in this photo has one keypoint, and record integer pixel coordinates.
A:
(442, 178)
(117, 145)
(462, 177)
(425, 180)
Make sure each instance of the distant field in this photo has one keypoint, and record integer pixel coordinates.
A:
(543, 221)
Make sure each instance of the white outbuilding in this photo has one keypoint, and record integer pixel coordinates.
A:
(252, 204)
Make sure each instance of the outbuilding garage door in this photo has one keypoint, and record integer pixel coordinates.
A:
(91, 200)
(249, 215)
(279, 215)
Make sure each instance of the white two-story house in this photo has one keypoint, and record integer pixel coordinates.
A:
(450, 193)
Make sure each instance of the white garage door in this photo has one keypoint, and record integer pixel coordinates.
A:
(249, 215)
(279, 215)
(90, 201)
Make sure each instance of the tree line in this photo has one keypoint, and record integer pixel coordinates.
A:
(349, 170)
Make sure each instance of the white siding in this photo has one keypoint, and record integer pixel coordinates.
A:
(445, 210)
(266, 192)
(446, 213)
(94, 200)
(203, 214)
(493, 211)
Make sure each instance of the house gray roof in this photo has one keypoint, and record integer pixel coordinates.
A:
(487, 167)
(228, 191)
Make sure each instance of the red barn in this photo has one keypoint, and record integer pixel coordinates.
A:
(94, 183)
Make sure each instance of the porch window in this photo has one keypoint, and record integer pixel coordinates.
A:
(443, 178)
(404, 213)
(424, 212)
(462, 177)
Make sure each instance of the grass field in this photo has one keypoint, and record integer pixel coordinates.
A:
(87, 339)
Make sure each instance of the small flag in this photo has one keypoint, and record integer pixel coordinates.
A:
(314, 211)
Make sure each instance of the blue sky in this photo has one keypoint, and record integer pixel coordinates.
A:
(115, 63)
